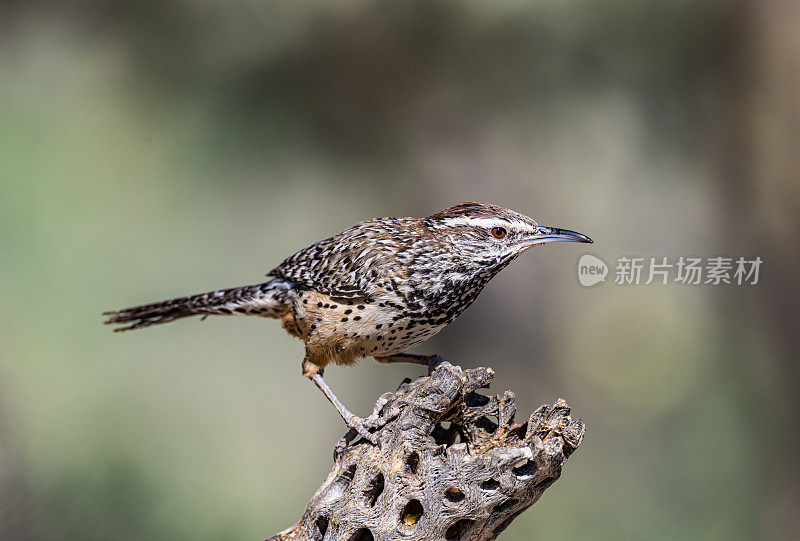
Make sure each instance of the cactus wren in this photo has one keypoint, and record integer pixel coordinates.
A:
(375, 290)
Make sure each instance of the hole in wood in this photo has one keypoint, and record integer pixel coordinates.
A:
(342, 482)
(446, 434)
(412, 461)
(490, 484)
(346, 476)
(487, 424)
(411, 513)
(505, 505)
(476, 400)
(458, 530)
(320, 527)
(374, 489)
(453, 494)
(526, 470)
(520, 431)
(362, 534)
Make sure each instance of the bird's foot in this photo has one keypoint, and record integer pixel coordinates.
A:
(361, 426)
(434, 361)
(375, 420)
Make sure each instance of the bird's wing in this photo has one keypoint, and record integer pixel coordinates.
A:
(349, 265)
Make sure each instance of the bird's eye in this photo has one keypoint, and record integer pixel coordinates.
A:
(498, 232)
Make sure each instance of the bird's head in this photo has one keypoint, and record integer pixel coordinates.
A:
(491, 236)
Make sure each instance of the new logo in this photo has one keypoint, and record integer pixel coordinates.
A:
(591, 270)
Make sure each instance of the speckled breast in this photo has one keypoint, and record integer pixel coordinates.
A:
(343, 330)
(347, 329)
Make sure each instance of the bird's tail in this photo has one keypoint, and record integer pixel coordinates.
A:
(271, 299)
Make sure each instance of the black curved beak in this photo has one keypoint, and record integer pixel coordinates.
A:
(552, 234)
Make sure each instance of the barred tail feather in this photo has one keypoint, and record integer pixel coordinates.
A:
(271, 299)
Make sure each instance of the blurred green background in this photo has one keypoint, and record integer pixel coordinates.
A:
(155, 149)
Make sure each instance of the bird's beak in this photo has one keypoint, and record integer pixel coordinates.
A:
(553, 234)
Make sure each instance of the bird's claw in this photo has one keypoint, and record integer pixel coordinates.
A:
(374, 418)
(434, 361)
(361, 426)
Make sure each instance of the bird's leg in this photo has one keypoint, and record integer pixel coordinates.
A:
(350, 419)
(375, 420)
(431, 361)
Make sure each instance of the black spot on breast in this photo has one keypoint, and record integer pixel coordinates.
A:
(360, 306)
(379, 325)
(319, 305)
(356, 318)
(344, 319)
(333, 306)
(348, 311)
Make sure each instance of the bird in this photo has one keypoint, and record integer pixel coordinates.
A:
(377, 289)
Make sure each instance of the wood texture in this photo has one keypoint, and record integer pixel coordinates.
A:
(451, 464)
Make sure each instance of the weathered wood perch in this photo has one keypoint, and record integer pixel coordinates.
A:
(428, 481)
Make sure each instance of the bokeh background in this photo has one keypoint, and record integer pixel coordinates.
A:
(150, 149)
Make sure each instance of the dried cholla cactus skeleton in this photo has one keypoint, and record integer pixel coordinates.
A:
(425, 481)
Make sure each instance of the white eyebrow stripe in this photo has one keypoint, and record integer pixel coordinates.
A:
(486, 222)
